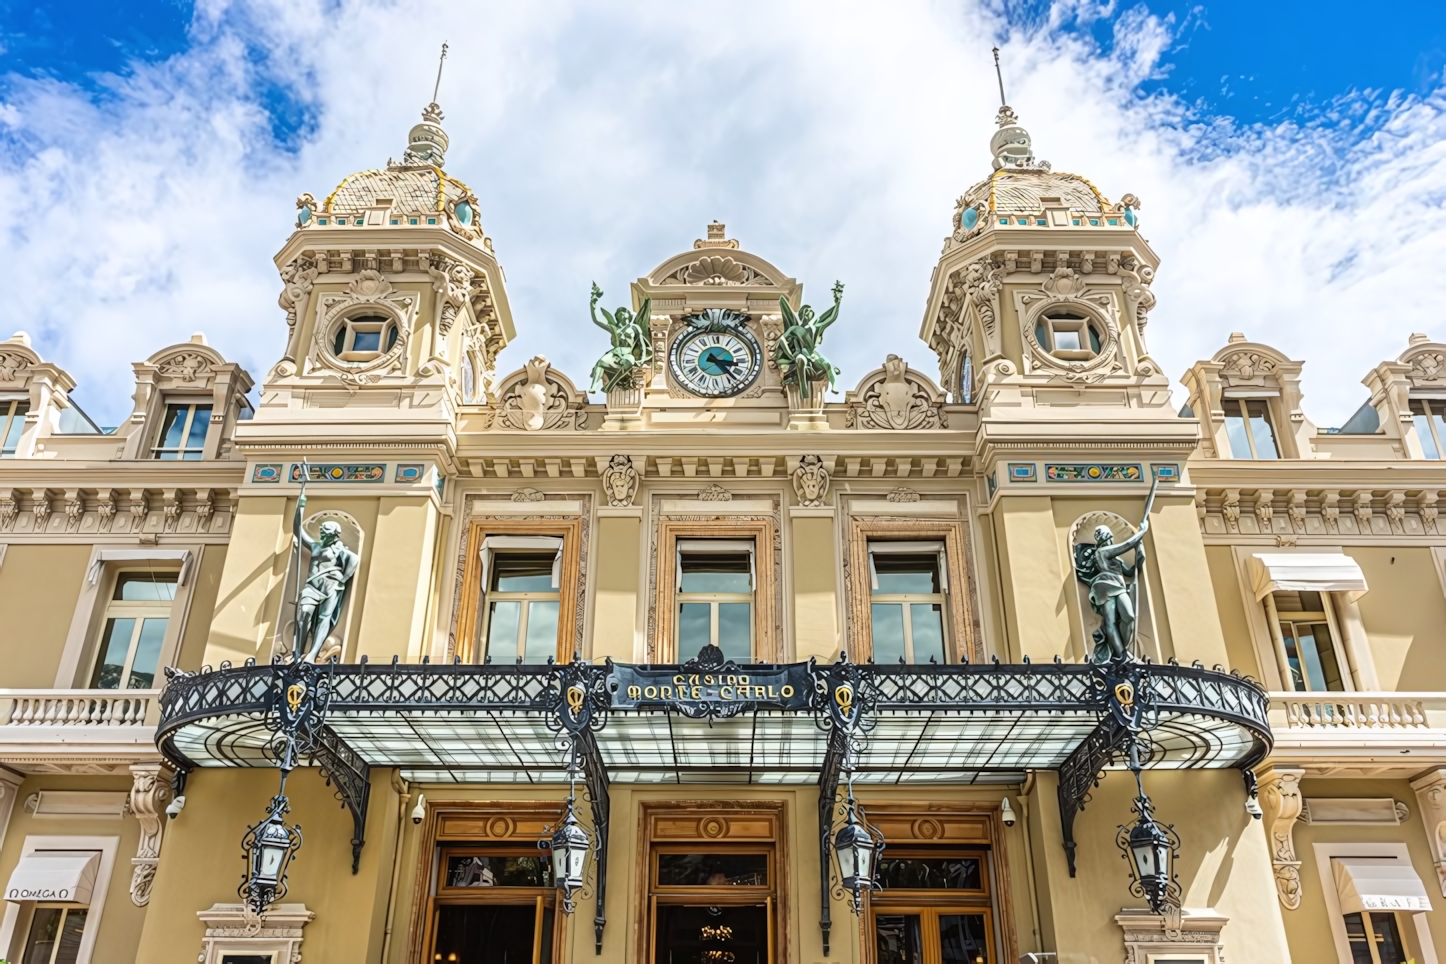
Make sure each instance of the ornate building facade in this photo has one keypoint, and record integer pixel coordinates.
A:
(716, 637)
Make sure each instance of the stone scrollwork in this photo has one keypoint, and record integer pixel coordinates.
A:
(1280, 795)
(150, 794)
(715, 493)
(185, 366)
(810, 480)
(452, 281)
(620, 481)
(538, 398)
(893, 397)
(1431, 794)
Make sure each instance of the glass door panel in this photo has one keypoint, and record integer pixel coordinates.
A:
(899, 939)
(492, 934)
(962, 939)
(700, 934)
(927, 935)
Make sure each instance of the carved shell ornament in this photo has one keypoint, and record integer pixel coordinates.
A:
(716, 270)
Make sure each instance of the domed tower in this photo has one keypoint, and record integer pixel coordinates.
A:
(391, 283)
(1043, 285)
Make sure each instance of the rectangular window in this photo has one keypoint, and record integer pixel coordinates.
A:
(907, 586)
(1311, 649)
(522, 575)
(1247, 424)
(12, 424)
(55, 933)
(716, 579)
(136, 618)
(1430, 420)
(183, 432)
(1375, 939)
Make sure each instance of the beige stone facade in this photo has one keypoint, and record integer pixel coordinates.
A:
(503, 517)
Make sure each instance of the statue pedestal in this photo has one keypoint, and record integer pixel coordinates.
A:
(625, 410)
(806, 414)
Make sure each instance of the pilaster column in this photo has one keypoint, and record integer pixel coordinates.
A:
(1431, 793)
(1280, 797)
(150, 794)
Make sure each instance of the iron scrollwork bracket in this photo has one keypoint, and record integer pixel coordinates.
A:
(351, 776)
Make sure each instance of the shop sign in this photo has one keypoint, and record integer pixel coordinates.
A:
(717, 691)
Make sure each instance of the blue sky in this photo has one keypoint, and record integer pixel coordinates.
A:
(1292, 158)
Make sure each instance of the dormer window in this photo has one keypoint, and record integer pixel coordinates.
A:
(183, 432)
(12, 424)
(1248, 426)
(1068, 336)
(1429, 415)
(364, 338)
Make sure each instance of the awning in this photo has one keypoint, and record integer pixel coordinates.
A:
(1306, 572)
(59, 875)
(551, 544)
(141, 555)
(1378, 883)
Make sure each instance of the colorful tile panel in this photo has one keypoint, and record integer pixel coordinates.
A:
(266, 473)
(1094, 472)
(370, 472)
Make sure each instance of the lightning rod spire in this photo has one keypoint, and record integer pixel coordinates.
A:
(997, 73)
(443, 59)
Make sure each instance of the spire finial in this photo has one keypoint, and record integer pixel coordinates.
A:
(443, 59)
(427, 143)
(1003, 102)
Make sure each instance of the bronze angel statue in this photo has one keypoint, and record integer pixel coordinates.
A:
(797, 353)
(631, 348)
(1114, 585)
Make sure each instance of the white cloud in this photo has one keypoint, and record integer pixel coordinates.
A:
(832, 138)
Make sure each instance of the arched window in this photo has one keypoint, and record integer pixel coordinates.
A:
(1069, 336)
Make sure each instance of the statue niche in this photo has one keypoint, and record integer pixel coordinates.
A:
(1113, 583)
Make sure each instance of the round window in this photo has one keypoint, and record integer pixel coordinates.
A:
(363, 337)
(1069, 336)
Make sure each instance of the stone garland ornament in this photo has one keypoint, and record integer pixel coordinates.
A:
(810, 481)
(631, 348)
(620, 481)
(797, 353)
(1114, 586)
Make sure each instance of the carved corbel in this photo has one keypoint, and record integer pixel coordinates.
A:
(41, 498)
(1363, 511)
(1296, 510)
(150, 794)
(1280, 796)
(1230, 508)
(9, 508)
(297, 278)
(140, 508)
(1427, 507)
(1431, 793)
(105, 508)
(172, 508)
(205, 505)
(1264, 509)
(1396, 512)
(74, 510)
(810, 480)
(1330, 510)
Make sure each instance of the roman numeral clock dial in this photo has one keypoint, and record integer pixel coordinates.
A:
(716, 356)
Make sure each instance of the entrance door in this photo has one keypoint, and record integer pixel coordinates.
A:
(704, 934)
(928, 935)
(494, 905)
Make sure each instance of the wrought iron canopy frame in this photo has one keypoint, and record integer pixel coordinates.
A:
(967, 723)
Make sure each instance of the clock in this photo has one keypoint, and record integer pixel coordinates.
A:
(716, 355)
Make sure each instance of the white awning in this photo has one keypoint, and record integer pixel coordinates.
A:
(933, 548)
(54, 875)
(1378, 884)
(141, 555)
(1306, 572)
(551, 544)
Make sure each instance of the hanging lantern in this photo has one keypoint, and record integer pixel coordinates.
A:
(268, 848)
(1150, 852)
(570, 848)
(858, 849)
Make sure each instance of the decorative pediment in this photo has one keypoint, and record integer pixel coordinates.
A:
(1250, 364)
(538, 397)
(718, 264)
(1428, 362)
(895, 397)
(17, 359)
(714, 270)
(187, 365)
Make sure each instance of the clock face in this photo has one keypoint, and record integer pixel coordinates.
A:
(716, 363)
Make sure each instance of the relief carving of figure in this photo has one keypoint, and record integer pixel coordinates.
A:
(322, 598)
(1114, 586)
(797, 353)
(620, 480)
(631, 348)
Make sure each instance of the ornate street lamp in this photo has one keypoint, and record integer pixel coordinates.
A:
(268, 848)
(1150, 849)
(858, 849)
(570, 843)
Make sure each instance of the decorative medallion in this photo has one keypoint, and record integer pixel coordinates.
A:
(716, 356)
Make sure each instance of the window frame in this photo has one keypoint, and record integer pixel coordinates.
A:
(962, 637)
(715, 547)
(1399, 851)
(1243, 403)
(139, 610)
(767, 633)
(524, 598)
(11, 416)
(191, 404)
(351, 326)
(66, 909)
(19, 916)
(471, 609)
(923, 548)
(1436, 437)
(1082, 325)
(1275, 622)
